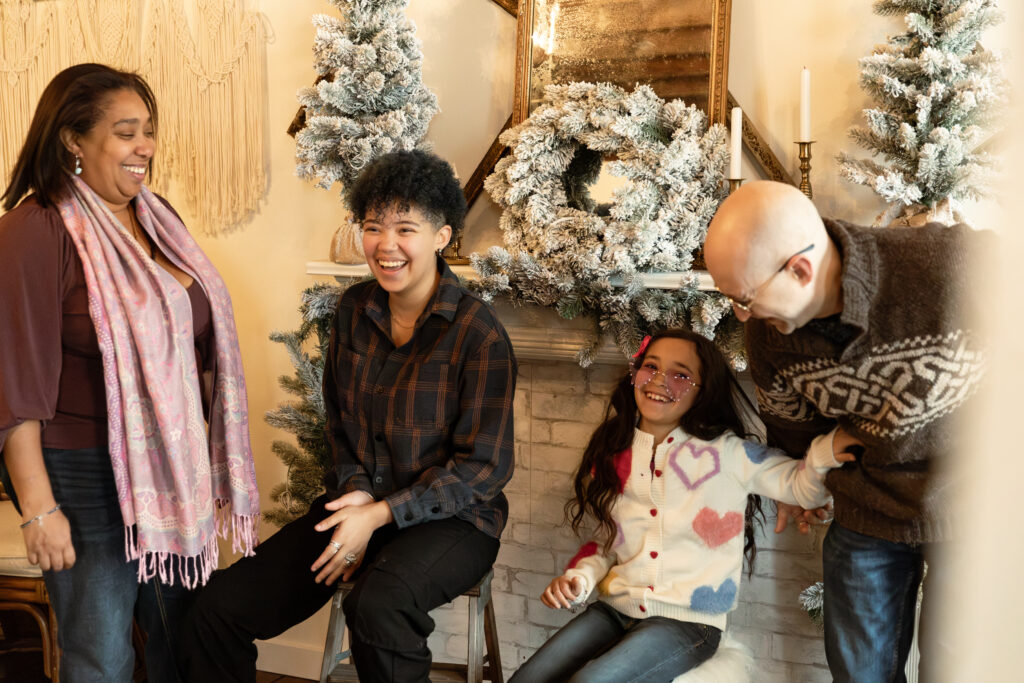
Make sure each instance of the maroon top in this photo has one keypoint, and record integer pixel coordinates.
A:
(50, 364)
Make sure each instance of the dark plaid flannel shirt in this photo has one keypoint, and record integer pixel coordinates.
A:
(426, 426)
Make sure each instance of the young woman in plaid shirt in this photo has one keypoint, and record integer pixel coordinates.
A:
(419, 381)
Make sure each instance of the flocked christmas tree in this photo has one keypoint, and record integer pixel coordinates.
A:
(369, 100)
(937, 93)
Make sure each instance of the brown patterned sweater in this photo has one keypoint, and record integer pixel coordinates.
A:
(894, 369)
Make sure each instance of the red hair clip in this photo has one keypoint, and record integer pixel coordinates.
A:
(643, 346)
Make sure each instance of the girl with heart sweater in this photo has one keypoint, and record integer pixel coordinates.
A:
(668, 480)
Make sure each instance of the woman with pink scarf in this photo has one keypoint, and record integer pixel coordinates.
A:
(123, 423)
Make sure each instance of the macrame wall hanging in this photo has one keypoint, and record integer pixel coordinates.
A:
(206, 63)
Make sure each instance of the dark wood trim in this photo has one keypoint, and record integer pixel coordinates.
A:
(476, 181)
(507, 5)
(759, 149)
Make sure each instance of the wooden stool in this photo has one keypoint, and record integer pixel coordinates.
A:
(478, 666)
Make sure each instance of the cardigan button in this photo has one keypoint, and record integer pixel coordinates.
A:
(654, 554)
(671, 439)
(379, 390)
(654, 512)
(657, 473)
(379, 437)
(408, 516)
(642, 608)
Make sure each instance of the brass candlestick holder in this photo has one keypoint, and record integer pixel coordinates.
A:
(734, 184)
(805, 168)
(454, 257)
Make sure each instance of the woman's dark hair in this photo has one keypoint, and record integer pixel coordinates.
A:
(719, 407)
(73, 100)
(414, 178)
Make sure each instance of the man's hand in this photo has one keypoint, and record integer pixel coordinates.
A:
(802, 518)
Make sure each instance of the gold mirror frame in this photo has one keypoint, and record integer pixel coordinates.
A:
(718, 58)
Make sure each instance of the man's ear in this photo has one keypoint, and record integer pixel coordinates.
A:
(802, 269)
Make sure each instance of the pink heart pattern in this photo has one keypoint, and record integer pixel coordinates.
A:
(702, 464)
(715, 529)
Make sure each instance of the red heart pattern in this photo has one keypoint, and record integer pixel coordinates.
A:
(714, 529)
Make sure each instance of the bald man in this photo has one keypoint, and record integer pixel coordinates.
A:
(864, 329)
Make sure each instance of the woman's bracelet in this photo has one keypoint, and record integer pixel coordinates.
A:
(39, 518)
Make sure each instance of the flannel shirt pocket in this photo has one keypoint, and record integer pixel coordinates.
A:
(432, 397)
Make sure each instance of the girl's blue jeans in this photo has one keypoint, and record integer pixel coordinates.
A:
(602, 645)
(97, 598)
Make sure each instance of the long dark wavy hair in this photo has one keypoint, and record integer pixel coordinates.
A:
(719, 407)
(75, 100)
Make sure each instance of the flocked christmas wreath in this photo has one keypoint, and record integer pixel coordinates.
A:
(563, 250)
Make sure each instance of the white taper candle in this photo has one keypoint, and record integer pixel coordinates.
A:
(805, 105)
(736, 148)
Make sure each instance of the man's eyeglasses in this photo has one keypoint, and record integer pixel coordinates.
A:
(745, 306)
(677, 384)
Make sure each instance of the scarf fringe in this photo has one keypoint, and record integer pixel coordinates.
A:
(195, 570)
(244, 529)
(192, 572)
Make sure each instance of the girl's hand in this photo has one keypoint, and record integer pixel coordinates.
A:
(355, 520)
(561, 592)
(846, 448)
(48, 542)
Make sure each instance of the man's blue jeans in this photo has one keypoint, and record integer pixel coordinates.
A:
(870, 600)
(602, 645)
(96, 599)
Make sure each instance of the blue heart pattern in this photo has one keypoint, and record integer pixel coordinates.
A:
(707, 599)
(757, 453)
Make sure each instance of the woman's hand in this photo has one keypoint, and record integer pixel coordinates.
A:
(48, 541)
(561, 592)
(355, 519)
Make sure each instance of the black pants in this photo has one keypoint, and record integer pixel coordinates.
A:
(405, 574)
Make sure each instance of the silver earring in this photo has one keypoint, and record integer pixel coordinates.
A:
(78, 165)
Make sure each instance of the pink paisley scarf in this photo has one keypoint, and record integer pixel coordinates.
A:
(178, 485)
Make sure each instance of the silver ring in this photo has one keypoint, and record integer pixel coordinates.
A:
(335, 545)
(350, 559)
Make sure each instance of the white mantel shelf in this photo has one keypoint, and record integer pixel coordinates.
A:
(537, 333)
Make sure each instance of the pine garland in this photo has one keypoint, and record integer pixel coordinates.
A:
(938, 93)
(564, 251)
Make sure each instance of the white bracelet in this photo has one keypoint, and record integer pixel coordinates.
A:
(39, 518)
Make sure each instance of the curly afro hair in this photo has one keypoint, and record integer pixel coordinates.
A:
(413, 178)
